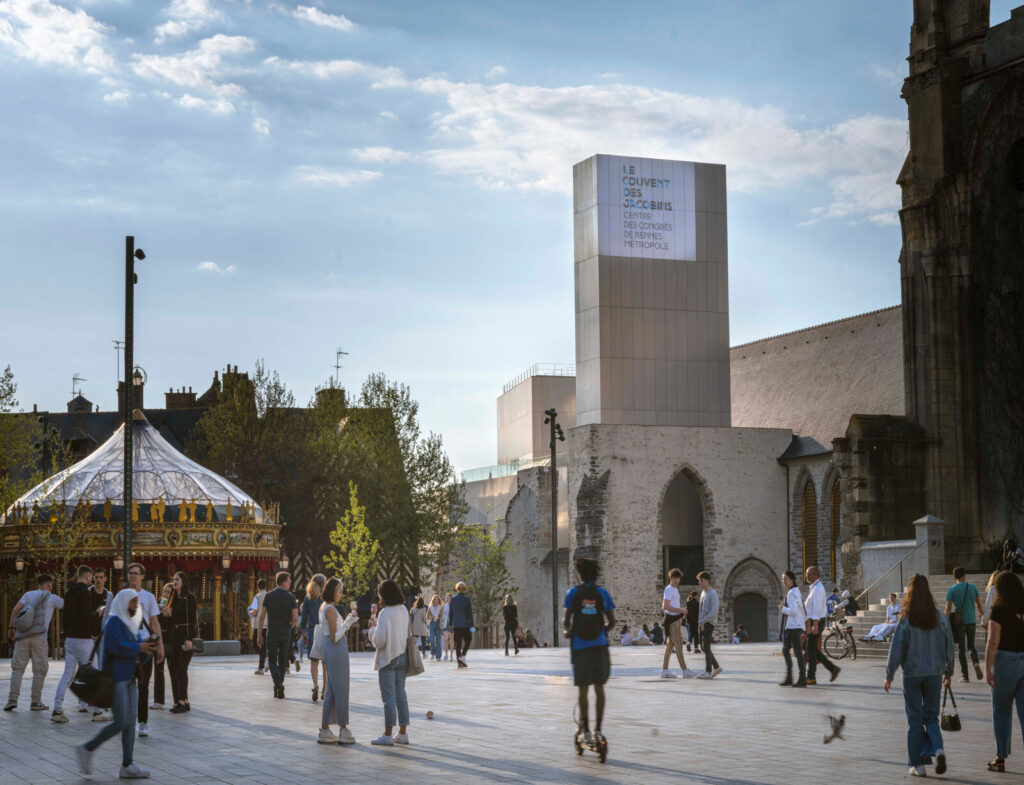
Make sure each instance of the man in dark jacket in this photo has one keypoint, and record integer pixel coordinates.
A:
(461, 616)
(78, 638)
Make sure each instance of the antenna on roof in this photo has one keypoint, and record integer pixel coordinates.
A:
(118, 346)
(336, 379)
(76, 387)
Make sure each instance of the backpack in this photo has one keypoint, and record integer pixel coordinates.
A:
(31, 620)
(587, 612)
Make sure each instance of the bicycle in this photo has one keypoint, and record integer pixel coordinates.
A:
(839, 641)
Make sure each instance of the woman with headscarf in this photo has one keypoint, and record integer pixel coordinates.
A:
(124, 646)
(308, 621)
(185, 627)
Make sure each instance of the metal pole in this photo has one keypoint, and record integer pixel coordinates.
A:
(129, 319)
(554, 536)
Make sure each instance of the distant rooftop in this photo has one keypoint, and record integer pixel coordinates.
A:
(540, 369)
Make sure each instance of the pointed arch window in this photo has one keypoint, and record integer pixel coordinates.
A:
(809, 525)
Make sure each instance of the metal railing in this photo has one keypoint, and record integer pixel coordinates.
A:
(888, 572)
(540, 369)
(511, 468)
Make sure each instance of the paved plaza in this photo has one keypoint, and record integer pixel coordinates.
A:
(511, 720)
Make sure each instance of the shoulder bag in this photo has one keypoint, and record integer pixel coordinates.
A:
(414, 662)
(950, 722)
(91, 685)
(956, 618)
(316, 650)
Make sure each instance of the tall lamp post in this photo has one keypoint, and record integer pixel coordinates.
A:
(131, 253)
(550, 418)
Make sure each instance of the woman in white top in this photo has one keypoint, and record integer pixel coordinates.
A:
(435, 614)
(625, 639)
(331, 631)
(892, 617)
(389, 638)
(418, 617)
(796, 621)
(447, 636)
(990, 594)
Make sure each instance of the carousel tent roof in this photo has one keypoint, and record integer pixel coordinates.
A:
(159, 472)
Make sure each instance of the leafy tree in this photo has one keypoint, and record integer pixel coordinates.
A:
(19, 445)
(479, 561)
(354, 556)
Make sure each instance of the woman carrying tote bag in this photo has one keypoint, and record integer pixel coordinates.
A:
(332, 641)
(391, 638)
(922, 645)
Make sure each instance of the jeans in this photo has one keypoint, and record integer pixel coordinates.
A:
(710, 663)
(125, 707)
(921, 700)
(77, 651)
(392, 691)
(435, 639)
(791, 642)
(278, 645)
(260, 650)
(964, 635)
(463, 637)
(1008, 670)
(815, 655)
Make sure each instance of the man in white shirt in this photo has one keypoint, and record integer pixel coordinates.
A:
(151, 614)
(816, 612)
(30, 642)
(793, 612)
(254, 612)
(672, 606)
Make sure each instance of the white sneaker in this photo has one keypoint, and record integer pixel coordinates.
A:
(326, 737)
(345, 736)
(84, 757)
(383, 741)
(666, 674)
(689, 673)
(144, 729)
(58, 716)
(155, 705)
(102, 716)
(402, 738)
(703, 675)
(258, 671)
(917, 771)
(715, 672)
(133, 772)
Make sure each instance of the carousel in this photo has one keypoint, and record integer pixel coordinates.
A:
(184, 517)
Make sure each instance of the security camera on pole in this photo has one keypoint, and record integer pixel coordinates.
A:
(131, 253)
(550, 418)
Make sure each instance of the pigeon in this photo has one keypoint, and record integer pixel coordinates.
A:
(836, 728)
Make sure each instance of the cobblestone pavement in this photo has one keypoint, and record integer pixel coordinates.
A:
(511, 720)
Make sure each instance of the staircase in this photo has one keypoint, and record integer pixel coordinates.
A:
(875, 614)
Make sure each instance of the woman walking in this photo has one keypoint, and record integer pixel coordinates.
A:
(447, 641)
(334, 635)
(185, 624)
(435, 614)
(922, 645)
(418, 618)
(511, 613)
(1004, 662)
(123, 648)
(308, 622)
(389, 638)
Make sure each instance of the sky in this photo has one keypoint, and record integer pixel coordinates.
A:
(394, 179)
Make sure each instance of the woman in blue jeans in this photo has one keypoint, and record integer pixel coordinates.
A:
(124, 645)
(435, 615)
(389, 638)
(1004, 662)
(922, 645)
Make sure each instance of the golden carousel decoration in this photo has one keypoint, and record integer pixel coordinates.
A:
(184, 517)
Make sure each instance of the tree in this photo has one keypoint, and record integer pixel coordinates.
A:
(480, 562)
(354, 556)
(19, 445)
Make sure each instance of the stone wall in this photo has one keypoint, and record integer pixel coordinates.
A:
(618, 476)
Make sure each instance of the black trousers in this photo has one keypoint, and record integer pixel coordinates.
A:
(791, 642)
(515, 641)
(159, 689)
(710, 663)
(260, 650)
(463, 637)
(814, 656)
(277, 655)
(964, 635)
(694, 639)
(177, 664)
(143, 673)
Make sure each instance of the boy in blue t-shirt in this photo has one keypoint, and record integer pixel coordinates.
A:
(588, 617)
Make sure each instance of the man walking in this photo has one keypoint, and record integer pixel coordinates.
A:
(672, 606)
(29, 636)
(961, 601)
(793, 610)
(254, 612)
(706, 620)
(461, 619)
(78, 637)
(151, 616)
(814, 607)
(280, 611)
(100, 603)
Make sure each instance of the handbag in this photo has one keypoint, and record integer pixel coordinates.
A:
(316, 651)
(950, 722)
(91, 685)
(414, 662)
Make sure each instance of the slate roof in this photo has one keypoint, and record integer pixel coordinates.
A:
(812, 380)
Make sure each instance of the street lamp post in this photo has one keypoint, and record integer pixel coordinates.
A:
(550, 418)
(131, 253)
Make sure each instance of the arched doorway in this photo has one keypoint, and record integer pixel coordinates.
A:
(751, 610)
(682, 529)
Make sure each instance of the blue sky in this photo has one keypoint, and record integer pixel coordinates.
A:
(394, 178)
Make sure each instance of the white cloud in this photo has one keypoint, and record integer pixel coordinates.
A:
(340, 69)
(891, 76)
(202, 68)
(611, 76)
(211, 105)
(118, 97)
(261, 126)
(380, 155)
(213, 267)
(186, 16)
(388, 115)
(316, 16)
(325, 178)
(47, 33)
(496, 72)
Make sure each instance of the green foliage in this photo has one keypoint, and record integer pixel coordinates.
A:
(479, 561)
(19, 435)
(354, 556)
